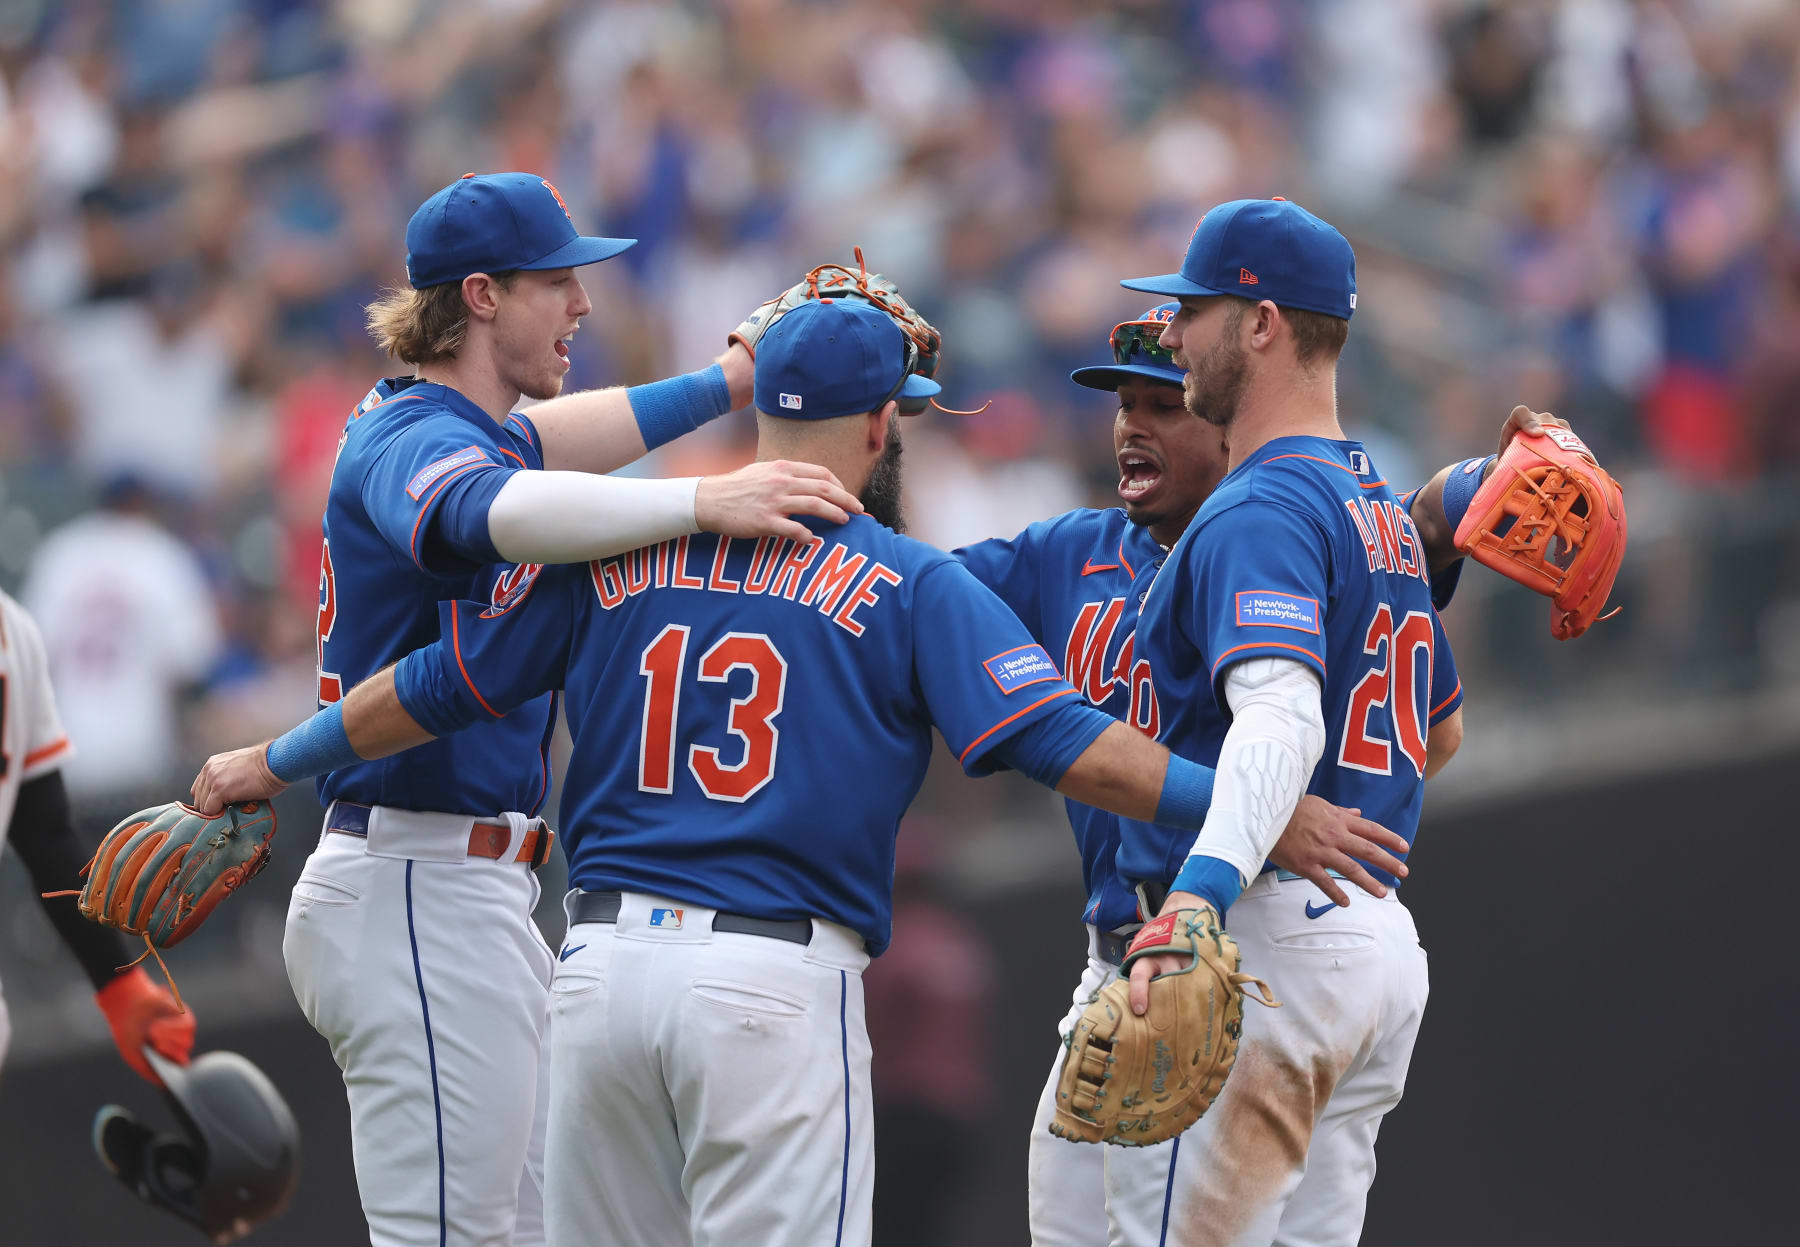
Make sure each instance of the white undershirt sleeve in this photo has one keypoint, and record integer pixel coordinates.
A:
(1276, 738)
(572, 517)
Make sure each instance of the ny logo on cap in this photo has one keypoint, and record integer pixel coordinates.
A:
(558, 197)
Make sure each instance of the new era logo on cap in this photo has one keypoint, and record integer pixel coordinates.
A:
(1246, 277)
(791, 401)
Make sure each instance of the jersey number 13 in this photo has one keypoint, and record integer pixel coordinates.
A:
(751, 719)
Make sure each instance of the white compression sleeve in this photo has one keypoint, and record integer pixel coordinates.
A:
(571, 517)
(1276, 737)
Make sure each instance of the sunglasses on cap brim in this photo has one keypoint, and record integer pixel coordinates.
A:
(1137, 342)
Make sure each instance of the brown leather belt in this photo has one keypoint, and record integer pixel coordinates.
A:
(486, 839)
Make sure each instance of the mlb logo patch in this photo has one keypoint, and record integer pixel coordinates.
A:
(1264, 608)
(1359, 463)
(1016, 668)
(436, 471)
(791, 401)
(666, 919)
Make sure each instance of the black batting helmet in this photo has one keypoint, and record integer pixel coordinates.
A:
(236, 1164)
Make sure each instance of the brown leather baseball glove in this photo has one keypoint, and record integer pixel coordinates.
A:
(838, 281)
(1135, 1080)
(162, 871)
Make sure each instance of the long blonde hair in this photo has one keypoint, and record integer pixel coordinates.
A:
(422, 326)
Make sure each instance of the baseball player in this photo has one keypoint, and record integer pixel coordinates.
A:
(750, 721)
(1068, 579)
(35, 820)
(409, 942)
(1296, 608)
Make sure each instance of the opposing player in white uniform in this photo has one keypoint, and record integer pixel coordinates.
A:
(410, 944)
(34, 820)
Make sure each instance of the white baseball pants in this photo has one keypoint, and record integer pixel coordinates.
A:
(1065, 1181)
(708, 1088)
(423, 968)
(1286, 1155)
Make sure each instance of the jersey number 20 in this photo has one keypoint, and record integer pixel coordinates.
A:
(752, 717)
(1393, 683)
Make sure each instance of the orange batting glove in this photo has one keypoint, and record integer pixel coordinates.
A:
(140, 1013)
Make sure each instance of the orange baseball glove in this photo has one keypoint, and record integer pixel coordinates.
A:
(1552, 519)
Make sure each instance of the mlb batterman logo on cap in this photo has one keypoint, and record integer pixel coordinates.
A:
(835, 357)
(497, 223)
(1265, 249)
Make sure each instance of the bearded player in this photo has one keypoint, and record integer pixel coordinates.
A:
(35, 820)
(1296, 608)
(1069, 580)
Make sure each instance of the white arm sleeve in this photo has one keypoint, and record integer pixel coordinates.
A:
(1276, 737)
(572, 517)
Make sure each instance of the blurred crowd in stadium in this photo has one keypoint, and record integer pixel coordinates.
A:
(1591, 206)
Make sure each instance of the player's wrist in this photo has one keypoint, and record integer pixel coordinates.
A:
(1186, 794)
(314, 747)
(667, 409)
(1212, 879)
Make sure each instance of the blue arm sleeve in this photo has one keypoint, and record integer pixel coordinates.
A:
(428, 493)
(1459, 491)
(983, 678)
(667, 409)
(313, 748)
(487, 662)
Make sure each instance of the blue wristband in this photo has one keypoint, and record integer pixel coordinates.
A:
(1460, 487)
(1186, 794)
(315, 747)
(667, 409)
(1212, 877)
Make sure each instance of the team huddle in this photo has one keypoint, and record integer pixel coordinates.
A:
(1238, 679)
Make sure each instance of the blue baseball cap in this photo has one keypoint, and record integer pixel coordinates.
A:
(833, 357)
(1265, 249)
(497, 223)
(1136, 353)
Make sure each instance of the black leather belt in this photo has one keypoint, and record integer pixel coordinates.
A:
(1112, 946)
(604, 907)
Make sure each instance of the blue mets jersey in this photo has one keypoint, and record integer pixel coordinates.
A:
(1068, 579)
(1301, 553)
(406, 527)
(750, 718)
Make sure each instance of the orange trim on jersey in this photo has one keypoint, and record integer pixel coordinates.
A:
(1454, 694)
(512, 455)
(1267, 645)
(513, 418)
(48, 751)
(1122, 561)
(962, 757)
(413, 542)
(456, 644)
(1328, 463)
(393, 398)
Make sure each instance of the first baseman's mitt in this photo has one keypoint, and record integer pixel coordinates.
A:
(1135, 1080)
(835, 281)
(1552, 519)
(163, 870)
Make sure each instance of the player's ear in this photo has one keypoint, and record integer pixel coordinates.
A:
(878, 424)
(1263, 321)
(480, 294)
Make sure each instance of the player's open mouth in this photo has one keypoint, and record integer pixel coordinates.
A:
(1139, 473)
(562, 348)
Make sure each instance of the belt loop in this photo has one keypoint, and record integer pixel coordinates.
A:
(516, 824)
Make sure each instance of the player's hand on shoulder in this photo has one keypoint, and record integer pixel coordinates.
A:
(1323, 837)
(240, 775)
(1524, 420)
(760, 499)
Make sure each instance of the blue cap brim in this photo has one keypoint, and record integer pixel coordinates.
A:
(1168, 283)
(582, 250)
(920, 387)
(1109, 376)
